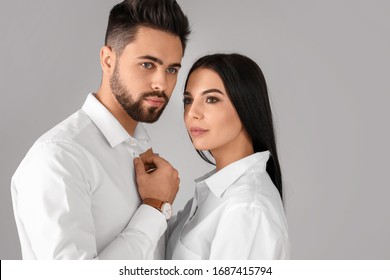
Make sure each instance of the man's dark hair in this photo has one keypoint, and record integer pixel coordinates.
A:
(127, 16)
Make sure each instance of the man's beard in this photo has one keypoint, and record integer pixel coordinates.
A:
(132, 107)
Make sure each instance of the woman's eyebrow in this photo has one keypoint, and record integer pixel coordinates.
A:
(205, 92)
(212, 90)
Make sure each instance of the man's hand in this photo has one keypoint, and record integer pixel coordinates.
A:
(148, 167)
(162, 183)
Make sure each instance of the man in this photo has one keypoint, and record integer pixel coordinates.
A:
(74, 194)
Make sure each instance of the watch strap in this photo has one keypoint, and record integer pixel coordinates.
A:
(156, 203)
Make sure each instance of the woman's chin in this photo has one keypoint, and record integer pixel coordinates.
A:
(202, 147)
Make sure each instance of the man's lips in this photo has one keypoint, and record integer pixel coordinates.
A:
(155, 101)
(197, 131)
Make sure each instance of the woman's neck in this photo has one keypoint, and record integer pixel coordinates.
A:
(234, 151)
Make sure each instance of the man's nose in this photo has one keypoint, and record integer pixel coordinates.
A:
(159, 82)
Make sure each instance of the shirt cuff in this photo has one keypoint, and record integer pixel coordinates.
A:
(149, 221)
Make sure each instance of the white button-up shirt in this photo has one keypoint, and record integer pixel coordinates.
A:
(236, 213)
(75, 197)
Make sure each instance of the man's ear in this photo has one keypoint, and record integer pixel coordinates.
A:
(107, 60)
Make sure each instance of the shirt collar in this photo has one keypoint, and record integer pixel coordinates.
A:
(110, 127)
(220, 181)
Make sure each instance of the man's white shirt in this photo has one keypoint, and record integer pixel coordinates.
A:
(75, 196)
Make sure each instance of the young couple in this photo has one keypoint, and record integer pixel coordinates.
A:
(92, 188)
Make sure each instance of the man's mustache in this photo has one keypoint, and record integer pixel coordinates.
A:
(159, 94)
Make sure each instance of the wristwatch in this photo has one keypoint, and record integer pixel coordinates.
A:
(163, 207)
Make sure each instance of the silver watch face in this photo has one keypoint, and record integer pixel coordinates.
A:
(166, 209)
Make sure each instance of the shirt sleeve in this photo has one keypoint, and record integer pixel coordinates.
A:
(53, 189)
(248, 232)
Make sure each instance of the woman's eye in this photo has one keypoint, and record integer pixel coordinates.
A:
(211, 99)
(147, 65)
(187, 101)
(172, 70)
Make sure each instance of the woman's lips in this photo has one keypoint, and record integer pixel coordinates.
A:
(197, 131)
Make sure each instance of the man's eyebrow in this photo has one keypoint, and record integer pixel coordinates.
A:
(158, 61)
(152, 58)
(205, 92)
(177, 65)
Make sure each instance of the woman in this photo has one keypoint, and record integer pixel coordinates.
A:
(237, 210)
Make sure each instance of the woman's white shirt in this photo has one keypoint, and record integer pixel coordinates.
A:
(236, 213)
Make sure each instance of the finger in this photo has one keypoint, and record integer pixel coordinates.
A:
(139, 166)
(154, 160)
(147, 153)
(150, 169)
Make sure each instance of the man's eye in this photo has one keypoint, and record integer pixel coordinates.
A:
(172, 70)
(147, 65)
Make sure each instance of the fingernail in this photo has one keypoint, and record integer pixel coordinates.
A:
(136, 160)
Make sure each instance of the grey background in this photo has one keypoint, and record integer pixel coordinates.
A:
(327, 67)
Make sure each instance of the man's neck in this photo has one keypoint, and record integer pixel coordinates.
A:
(109, 101)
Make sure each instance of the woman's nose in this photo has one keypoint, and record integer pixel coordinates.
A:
(195, 111)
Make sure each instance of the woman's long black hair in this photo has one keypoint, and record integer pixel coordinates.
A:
(246, 87)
